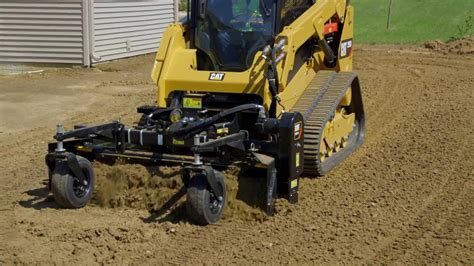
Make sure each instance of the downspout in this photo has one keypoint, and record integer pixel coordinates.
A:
(85, 33)
(176, 11)
(93, 57)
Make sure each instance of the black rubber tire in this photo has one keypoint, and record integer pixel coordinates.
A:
(198, 199)
(63, 183)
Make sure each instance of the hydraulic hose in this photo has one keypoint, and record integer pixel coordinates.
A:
(185, 128)
(158, 112)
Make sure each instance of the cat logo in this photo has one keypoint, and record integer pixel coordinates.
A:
(217, 76)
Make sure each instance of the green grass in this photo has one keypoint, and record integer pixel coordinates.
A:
(412, 20)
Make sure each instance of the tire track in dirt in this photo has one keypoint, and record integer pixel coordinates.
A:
(427, 221)
(426, 208)
(430, 226)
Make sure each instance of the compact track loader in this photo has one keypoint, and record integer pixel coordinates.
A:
(265, 84)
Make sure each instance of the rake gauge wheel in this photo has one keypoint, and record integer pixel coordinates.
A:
(202, 206)
(68, 192)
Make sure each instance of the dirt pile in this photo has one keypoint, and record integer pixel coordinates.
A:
(160, 190)
(135, 186)
(462, 47)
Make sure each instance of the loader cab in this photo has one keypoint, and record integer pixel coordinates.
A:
(228, 33)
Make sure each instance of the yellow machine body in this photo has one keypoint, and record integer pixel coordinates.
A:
(175, 67)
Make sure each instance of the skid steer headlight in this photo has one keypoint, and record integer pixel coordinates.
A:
(175, 115)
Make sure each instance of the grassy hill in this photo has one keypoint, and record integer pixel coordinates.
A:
(413, 20)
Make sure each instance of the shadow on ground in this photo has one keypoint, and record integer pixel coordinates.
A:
(166, 214)
(40, 199)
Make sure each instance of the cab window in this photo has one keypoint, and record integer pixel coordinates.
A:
(291, 10)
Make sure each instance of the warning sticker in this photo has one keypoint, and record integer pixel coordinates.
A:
(178, 142)
(294, 183)
(224, 130)
(194, 103)
(298, 130)
(346, 48)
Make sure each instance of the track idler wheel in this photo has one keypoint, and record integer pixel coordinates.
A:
(202, 205)
(68, 190)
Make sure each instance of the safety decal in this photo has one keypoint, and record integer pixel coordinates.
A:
(294, 183)
(194, 103)
(346, 48)
(178, 142)
(298, 130)
(224, 130)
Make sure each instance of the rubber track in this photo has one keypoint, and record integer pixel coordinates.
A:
(317, 104)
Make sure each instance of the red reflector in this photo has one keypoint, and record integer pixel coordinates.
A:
(330, 28)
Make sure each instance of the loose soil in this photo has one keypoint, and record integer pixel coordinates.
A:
(405, 197)
(463, 46)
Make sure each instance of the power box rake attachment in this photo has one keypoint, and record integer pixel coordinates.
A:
(243, 135)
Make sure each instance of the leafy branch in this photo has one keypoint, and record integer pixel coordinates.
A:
(466, 28)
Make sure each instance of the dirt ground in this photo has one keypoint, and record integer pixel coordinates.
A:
(405, 197)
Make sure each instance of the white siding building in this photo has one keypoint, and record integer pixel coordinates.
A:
(81, 32)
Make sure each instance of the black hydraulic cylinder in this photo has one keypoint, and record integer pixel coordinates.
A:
(268, 126)
(328, 52)
(143, 137)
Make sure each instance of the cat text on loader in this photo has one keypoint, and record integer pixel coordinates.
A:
(265, 84)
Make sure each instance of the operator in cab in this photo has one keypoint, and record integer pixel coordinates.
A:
(230, 32)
